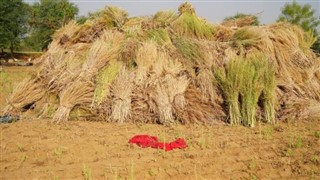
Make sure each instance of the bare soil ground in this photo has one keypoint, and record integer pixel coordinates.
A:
(38, 149)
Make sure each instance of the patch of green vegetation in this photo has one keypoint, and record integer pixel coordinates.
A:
(252, 166)
(60, 150)
(267, 133)
(132, 170)
(298, 143)
(5, 83)
(20, 147)
(317, 134)
(86, 172)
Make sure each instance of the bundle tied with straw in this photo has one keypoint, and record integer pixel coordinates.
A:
(81, 90)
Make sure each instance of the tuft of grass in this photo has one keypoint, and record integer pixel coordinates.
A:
(317, 134)
(252, 167)
(132, 170)
(86, 172)
(59, 150)
(20, 147)
(267, 133)
(298, 143)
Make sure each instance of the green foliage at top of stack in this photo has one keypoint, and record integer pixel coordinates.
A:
(114, 16)
(255, 20)
(245, 37)
(188, 24)
(164, 18)
(245, 81)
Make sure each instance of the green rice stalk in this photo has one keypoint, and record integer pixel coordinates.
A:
(245, 37)
(189, 49)
(191, 26)
(229, 80)
(104, 80)
(160, 36)
(164, 18)
(251, 89)
(306, 40)
(269, 90)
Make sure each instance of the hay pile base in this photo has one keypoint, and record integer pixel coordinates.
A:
(173, 68)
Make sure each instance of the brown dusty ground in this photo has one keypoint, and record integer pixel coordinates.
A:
(38, 149)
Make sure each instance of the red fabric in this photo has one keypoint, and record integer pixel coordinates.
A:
(145, 141)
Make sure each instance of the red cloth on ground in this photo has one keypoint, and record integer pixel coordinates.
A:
(145, 141)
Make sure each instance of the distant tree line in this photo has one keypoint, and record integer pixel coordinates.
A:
(31, 26)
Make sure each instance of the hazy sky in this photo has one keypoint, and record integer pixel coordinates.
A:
(213, 10)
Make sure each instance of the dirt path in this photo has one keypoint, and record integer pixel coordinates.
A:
(37, 149)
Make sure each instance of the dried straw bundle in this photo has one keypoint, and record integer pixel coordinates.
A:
(240, 22)
(121, 91)
(26, 94)
(196, 110)
(81, 91)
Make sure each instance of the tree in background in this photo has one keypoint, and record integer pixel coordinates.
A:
(13, 23)
(48, 16)
(303, 16)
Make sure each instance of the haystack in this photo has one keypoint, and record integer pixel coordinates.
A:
(173, 68)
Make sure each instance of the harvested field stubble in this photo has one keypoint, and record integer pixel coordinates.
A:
(174, 68)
